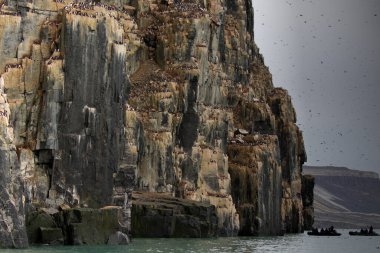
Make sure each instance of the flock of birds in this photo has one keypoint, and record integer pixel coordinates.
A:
(12, 66)
(88, 9)
(312, 52)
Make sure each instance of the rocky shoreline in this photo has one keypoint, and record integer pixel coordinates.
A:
(108, 103)
(75, 226)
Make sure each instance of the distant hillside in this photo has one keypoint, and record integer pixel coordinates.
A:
(339, 171)
(345, 198)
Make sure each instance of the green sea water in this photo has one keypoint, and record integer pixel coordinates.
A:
(298, 243)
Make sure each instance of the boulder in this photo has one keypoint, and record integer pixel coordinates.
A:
(308, 182)
(90, 226)
(74, 226)
(159, 215)
(51, 236)
(34, 222)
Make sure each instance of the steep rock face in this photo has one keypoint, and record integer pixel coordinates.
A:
(76, 226)
(308, 183)
(147, 95)
(65, 75)
(293, 155)
(256, 184)
(12, 227)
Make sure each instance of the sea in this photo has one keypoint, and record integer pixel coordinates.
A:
(289, 243)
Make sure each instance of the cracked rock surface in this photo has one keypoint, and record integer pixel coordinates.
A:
(98, 100)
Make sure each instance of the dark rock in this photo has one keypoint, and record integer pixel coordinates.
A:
(34, 222)
(307, 201)
(307, 190)
(119, 238)
(74, 226)
(159, 215)
(188, 130)
(96, 114)
(90, 226)
(51, 236)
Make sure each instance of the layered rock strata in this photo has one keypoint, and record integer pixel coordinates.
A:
(156, 96)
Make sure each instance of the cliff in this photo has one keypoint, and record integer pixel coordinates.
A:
(345, 198)
(308, 183)
(100, 99)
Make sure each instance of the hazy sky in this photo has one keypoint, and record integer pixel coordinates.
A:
(327, 54)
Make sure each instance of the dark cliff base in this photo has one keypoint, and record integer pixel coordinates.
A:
(75, 226)
(308, 183)
(160, 215)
